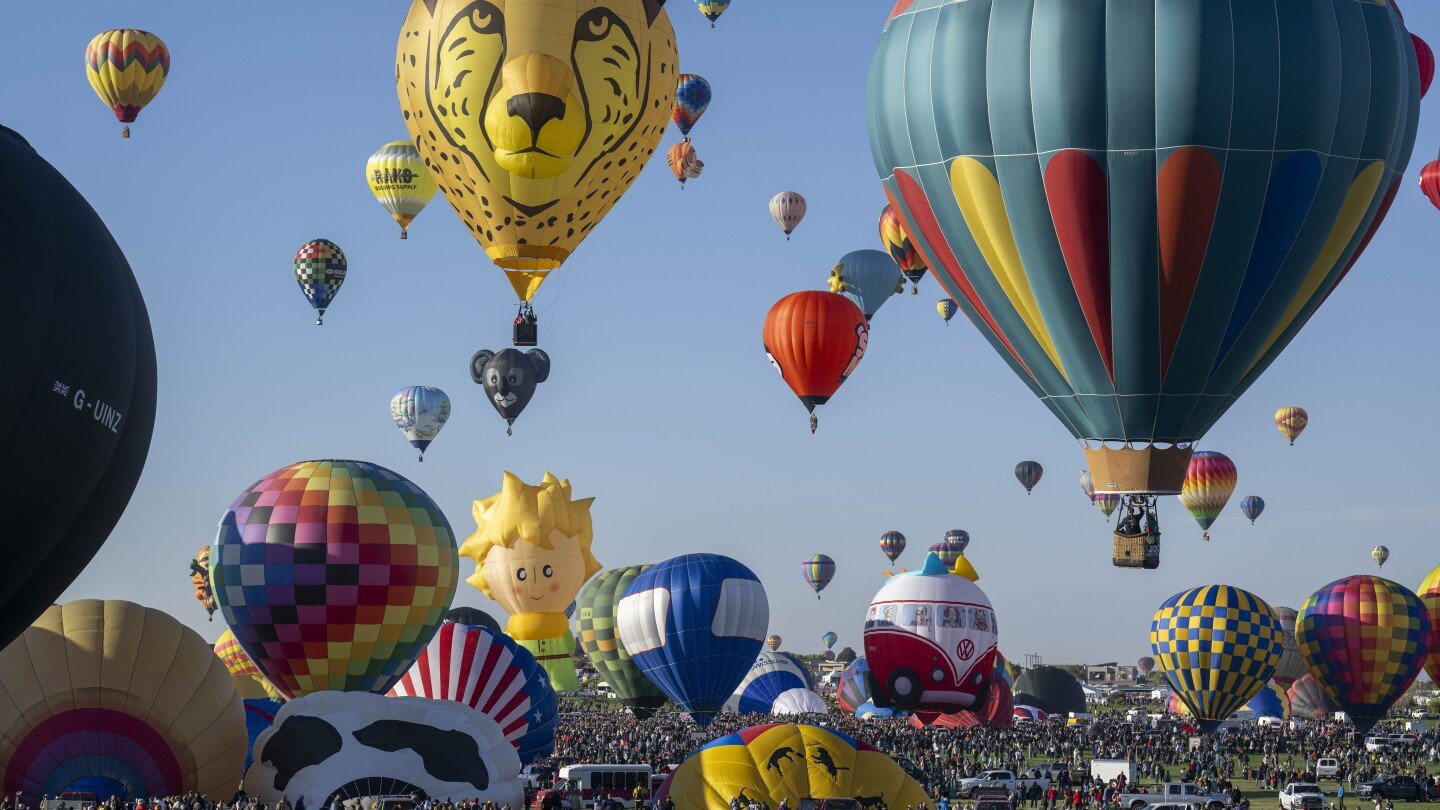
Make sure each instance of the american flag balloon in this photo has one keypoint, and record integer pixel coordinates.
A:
(487, 670)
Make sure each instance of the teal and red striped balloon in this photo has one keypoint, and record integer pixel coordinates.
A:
(818, 570)
(1364, 639)
(1141, 209)
(1209, 483)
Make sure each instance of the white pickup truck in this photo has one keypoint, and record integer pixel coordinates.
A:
(1176, 793)
(1302, 796)
(997, 781)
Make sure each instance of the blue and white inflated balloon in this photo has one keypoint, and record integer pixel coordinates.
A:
(776, 684)
(420, 412)
(867, 277)
(694, 625)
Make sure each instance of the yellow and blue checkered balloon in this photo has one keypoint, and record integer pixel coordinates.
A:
(1218, 646)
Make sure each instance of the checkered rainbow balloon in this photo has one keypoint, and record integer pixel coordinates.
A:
(1218, 647)
(1364, 639)
(334, 575)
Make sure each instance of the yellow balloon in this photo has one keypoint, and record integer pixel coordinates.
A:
(249, 682)
(535, 117)
(399, 180)
(789, 761)
(127, 67)
(531, 548)
(128, 694)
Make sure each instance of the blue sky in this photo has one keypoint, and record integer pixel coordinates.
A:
(661, 403)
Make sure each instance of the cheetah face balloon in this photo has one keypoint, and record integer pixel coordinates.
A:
(535, 117)
(510, 378)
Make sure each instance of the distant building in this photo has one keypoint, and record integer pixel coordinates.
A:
(1111, 673)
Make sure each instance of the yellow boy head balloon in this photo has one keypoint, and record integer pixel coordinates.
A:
(535, 116)
(531, 547)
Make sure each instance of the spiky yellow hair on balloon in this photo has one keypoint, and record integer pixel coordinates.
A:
(520, 511)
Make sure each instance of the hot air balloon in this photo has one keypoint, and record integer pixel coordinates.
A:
(792, 764)
(1430, 182)
(120, 698)
(1004, 670)
(776, 684)
(1292, 666)
(947, 309)
(892, 544)
(1307, 699)
(400, 182)
(773, 642)
(1425, 62)
(77, 386)
(320, 269)
(1087, 484)
(1107, 503)
(509, 378)
(1218, 646)
(996, 709)
(853, 690)
(1146, 665)
(930, 639)
(249, 681)
(1291, 422)
(1028, 474)
(901, 249)
(712, 9)
(287, 558)
(1380, 554)
(1050, 689)
(200, 580)
(1429, 594)
(818, 570)
(694, 625)
(787, 209)
(535, 121)
(829, 638)
(1270, 701)
(489, 671)
(684, 163)
(692, 98)
(1208, 486)
(597, 626)
(1099, 232)
(355, 745)
(532, 548)
(420, 412)
(815, 340)
(1364, 639)
(126, 67)
(473, 617)
(1252, 506)
(867, 277)
(950, 549)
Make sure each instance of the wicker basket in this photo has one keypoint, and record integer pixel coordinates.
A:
(1141, 551)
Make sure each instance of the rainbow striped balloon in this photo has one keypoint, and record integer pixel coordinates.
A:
(1209, 483)
(892, 544)
(818, 570)
(1364, 639)
(1430, 595)
(126, 68)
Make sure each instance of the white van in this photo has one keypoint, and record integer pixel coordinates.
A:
(1107, 769)
(1327, 768)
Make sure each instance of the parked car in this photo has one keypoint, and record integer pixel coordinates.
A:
(1184, 793)
(1005, 780)
(1302, 796)
(1376, 745)
(1327, 768)
(1108, 769)
(1406, 788)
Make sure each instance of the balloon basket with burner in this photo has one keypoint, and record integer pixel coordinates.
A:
(527, 328)
(1137, 534)
(1137, 552)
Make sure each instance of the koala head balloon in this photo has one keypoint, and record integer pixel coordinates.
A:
(509, 378)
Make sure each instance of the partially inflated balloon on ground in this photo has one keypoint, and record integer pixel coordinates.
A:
(1292, 665)
(120, 695)
(357, 744)
(1271, 701)
(1051, 689)
(995, 710)
(1308, 699)
(487, 670)
(1218, 646)
(249, 681)
(1364, 639)
(334, 575)
(596, 626)
(694, 625)
(774, 763)
(77, 385)
(853, 690)
(1429, 594)
(776, 684)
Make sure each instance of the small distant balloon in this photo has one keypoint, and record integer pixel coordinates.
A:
(692, 98)
(947, 309)
(401, 182)
(684, 163)
(1107, 503)
(829, 638)
(1380, 554)
(950, 549)
(1209, 483)
(818, 570)
(787, 209)
(126, 68)
(773, 642)
(1028, 474)
(892, 544)
(420, 412)
(1087, 485)
(1291, 421)
(320, 269)
(1252, 506)
(902, 250)
(712, 9)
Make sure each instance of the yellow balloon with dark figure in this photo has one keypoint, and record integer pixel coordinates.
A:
(122, 699)
(776, 762)
(126, 67)
(535, 117)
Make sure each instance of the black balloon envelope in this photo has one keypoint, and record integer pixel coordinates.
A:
(473, 617)
(510, 378)
(1051, 690)
(77, 385)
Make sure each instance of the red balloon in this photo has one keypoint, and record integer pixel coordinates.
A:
(1430, 182)
(997, 711)
(815, 339)
(1426, 59)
